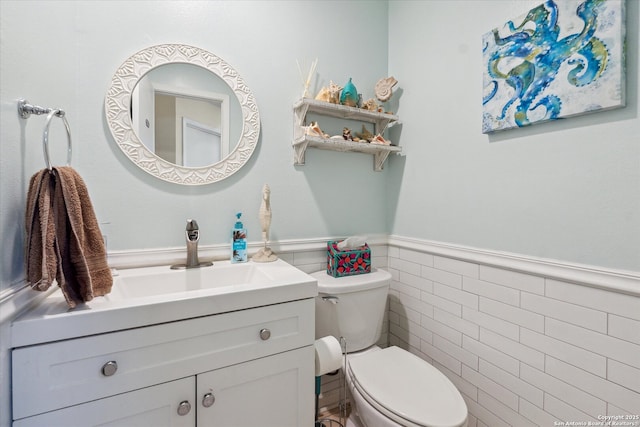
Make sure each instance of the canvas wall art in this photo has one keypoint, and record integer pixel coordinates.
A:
(560, 59)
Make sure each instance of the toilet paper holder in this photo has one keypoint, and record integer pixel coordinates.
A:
(331, 298)
(342, 401)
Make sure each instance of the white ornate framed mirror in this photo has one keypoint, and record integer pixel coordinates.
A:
(182, 114)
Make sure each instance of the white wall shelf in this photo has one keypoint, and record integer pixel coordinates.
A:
(301, 141)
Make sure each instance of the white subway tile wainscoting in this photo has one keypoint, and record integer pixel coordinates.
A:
(528, 342)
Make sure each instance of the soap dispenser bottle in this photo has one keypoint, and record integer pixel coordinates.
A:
(238, 241)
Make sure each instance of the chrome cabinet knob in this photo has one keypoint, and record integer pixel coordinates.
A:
(109, 368)
(208, 400)
(184, 407)
(265, 334)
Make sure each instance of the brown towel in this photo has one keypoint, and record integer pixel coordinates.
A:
(40, 249)
(80, 257)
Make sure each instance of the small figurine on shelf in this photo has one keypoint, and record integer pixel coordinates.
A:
(349, 95)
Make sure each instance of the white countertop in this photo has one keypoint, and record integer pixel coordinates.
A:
(52, 320)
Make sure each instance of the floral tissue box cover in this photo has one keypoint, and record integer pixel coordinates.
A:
(348, 262)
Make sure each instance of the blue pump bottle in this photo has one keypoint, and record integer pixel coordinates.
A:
(238, 241)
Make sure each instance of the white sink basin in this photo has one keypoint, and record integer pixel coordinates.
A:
(150, 295)
(147, 282)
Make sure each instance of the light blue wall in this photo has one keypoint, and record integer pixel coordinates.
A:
(566, 190)
(86, 41)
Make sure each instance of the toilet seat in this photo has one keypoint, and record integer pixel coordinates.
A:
(407, 389)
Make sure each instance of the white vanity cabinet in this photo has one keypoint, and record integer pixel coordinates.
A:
(152, 406)
(242, 368)
(302, 141)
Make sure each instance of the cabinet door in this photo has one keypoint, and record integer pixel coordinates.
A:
(155, 406)
(273, 391)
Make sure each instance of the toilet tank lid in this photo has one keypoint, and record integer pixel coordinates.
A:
(331, 285)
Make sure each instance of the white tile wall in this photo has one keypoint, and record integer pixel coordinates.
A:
(625, 375)
(624, 328)
(523, 349)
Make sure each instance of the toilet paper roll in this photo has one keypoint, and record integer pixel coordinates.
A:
(328, 355)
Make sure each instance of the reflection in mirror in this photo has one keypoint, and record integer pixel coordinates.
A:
(182, 114)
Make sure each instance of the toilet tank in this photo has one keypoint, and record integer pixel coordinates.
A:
(352, 307)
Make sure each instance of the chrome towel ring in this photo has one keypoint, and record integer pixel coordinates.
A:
(45, 137)
(25, 110)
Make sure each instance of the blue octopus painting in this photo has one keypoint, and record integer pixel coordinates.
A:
(560, 59)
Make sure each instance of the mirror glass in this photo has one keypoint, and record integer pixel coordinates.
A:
(182, 114)
(186, 115)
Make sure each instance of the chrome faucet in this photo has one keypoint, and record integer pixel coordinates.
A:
(192, 234)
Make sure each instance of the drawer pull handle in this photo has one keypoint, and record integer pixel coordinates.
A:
(208, 400)
(265, 334)
(184, 407)
(109, 368)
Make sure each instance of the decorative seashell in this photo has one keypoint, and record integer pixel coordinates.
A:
(365, 135)
(346, 134)
(314, 130)
(370, 104)
(379, 139)
(384, 88)
(323, 95)
(334, 92)
(349, 95)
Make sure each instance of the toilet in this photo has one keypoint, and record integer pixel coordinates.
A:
(390, 387)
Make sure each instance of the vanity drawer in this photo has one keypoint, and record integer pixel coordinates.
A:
(59, 374)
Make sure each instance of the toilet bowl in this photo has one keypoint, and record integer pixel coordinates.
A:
(390, 387)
